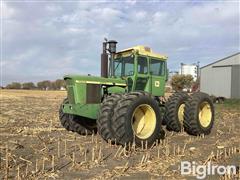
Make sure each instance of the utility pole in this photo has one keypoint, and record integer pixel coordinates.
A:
(198, 69)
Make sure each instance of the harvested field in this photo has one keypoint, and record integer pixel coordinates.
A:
(34, 145)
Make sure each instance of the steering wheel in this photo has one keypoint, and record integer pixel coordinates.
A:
(130, 73)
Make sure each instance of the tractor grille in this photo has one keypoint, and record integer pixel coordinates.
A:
(93, 94)
(70, 94)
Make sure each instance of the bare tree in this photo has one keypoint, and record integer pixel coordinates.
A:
(180, 82)
(28, 85)
(44, 85)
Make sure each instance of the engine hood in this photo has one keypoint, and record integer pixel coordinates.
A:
(95, 80)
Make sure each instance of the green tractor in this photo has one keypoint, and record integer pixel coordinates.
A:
(126, 104)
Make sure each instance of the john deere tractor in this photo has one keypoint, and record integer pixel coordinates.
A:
(127, 104)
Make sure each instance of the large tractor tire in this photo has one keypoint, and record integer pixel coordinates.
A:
(104, 121)
(74, 123)
(174, 114)
(199, 114)
(137, 117)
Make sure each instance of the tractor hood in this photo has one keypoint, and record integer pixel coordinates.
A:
(95, 80)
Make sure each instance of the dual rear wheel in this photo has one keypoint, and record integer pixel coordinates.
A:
(132, 117)
(194, 114)
(135, 117)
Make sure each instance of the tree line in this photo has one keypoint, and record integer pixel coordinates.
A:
(178, 83)
(42, 85)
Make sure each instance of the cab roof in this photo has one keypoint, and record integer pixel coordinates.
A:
(143, 50)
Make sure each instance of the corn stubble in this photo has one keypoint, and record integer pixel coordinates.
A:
(35, 146)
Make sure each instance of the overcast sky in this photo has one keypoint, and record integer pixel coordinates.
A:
(45, 40)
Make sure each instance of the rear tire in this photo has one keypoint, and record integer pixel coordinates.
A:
(137, 116)
(104, 121)
(199, 114)
(74, 123)
(174, 115)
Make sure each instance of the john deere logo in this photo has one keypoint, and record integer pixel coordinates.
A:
(157, 83)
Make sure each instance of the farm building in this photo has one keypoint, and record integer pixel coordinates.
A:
(222, 78)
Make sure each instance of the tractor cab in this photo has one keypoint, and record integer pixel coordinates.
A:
(141, 68)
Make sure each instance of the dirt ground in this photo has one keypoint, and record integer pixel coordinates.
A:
(34, 145)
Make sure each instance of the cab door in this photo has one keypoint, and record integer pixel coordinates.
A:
(142, 74)
(158, 76)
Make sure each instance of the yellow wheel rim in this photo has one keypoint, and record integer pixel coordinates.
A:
(144, 121)
(205, 114)
(181, 113)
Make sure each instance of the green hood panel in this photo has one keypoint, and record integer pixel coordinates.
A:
(85, 93)
(95, 80)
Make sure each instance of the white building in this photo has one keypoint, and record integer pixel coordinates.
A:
(222, 77)
(189, 69)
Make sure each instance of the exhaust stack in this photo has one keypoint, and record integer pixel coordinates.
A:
(112, 48)
(104, 61)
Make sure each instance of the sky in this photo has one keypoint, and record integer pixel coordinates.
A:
(44, 40)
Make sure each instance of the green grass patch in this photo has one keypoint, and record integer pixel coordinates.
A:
(233, 104)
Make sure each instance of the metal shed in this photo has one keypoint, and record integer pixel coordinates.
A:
(222, 78)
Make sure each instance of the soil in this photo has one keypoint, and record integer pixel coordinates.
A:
(33, 145)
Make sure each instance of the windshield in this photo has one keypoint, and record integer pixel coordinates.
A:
(124, 66)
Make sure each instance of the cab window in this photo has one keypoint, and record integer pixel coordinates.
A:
(157, 67)
(124, 66)
(142, 65)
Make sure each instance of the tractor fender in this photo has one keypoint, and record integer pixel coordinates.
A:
(116, 89)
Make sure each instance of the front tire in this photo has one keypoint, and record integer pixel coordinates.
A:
(199, 114)
(74, 123)
(137, 117)
(104, 121)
